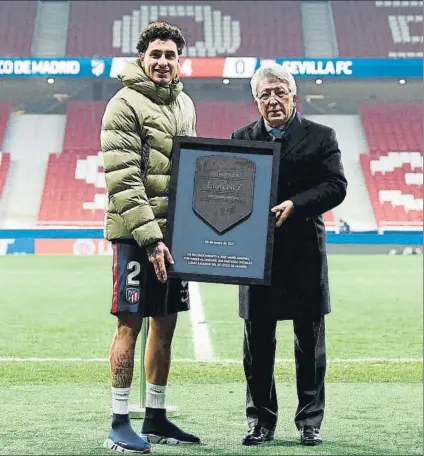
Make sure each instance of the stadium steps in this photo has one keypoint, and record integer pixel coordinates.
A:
(318, 30)
(50, 31)
(29, 139)
(356, 208)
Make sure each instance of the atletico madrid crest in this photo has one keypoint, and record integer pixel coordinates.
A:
(132, 295)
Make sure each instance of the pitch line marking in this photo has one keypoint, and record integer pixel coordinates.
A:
(201, 338)
(209, 361)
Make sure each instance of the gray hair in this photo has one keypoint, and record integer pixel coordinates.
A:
(272, 70)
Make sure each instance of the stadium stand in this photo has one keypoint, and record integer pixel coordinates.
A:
(379, 28)
(83, 124)
(74, 189)
(393, 126)
(394, 168)
(110, 29)
(4, 157)
(219, 120)
(17, 20)
(5, 107)
(4, 166)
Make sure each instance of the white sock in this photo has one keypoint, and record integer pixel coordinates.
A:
(155, 396)
(120, 398)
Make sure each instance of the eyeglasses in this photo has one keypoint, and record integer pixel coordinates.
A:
(279, 94)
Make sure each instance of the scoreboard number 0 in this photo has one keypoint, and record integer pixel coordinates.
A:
(239, 67)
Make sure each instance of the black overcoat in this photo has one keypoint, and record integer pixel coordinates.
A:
(312, 176)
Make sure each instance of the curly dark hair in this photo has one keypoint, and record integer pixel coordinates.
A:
(162, 31)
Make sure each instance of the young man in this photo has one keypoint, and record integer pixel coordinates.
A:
(136, 139)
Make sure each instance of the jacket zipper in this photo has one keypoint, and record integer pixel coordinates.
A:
(175, 117)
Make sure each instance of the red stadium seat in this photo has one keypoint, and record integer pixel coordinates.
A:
(394, 168)
(4, 166)
(110, 29)
(329, 220)
(378, 28)
(4, 117)
(4, 157)
(392, 126)
(17, 21)
(217, 119)
(74, 192)
(83, 124)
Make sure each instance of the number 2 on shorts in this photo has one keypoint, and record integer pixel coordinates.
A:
(135, 267)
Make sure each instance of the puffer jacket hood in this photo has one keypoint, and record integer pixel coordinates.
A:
(133, 76)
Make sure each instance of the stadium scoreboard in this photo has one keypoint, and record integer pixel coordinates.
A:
(215, 67)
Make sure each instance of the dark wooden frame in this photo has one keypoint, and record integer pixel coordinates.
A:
(224, 145)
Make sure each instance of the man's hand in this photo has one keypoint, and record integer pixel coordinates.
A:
(283, 212)
(157, 253)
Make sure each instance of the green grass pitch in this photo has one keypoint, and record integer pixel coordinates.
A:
(58, 307)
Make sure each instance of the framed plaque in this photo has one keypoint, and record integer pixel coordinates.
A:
(220, 226)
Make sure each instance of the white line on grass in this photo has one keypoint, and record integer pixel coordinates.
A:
(211, 361)
(201, 339)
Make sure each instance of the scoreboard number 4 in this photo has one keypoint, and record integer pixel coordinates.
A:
(186, 68)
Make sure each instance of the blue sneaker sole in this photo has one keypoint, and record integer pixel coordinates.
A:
(111, 445)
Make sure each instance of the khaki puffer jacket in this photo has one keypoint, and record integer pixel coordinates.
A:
(138, 127)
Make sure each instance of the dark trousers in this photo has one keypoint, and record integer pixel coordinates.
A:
(258, 361)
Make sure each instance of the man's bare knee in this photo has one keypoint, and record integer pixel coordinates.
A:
(164, 323)
(128, 326)
(162, 329)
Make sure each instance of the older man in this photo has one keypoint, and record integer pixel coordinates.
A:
(311, 182)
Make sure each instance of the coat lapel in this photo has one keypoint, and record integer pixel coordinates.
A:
(296, 132)
(258, 132)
